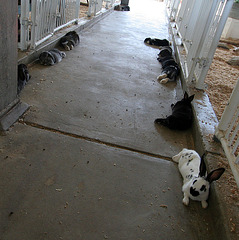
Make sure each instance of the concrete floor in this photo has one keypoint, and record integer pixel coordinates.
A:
(86, 161)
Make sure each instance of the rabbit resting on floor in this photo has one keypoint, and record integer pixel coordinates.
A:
(51, 57)
(170, 68)
(157, 42)
(196, 181)
(182, 115)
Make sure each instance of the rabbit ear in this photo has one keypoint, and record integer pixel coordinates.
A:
(215, 174)
(185, 96)
(202, 168)
(191, 98)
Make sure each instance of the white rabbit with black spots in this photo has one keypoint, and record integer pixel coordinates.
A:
(196, 182)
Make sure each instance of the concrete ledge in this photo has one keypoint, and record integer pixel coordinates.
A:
(12, 114)
(32, 55)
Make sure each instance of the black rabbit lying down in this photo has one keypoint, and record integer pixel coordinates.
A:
(157, 42)
(170, 67)
(51, 57)
(182, 115)
(23, 77)
(165, 52)
(70, 40)
(169, 73)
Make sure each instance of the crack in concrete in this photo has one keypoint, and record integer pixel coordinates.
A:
(94, 140)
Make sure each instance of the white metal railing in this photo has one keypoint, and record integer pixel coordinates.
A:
(172, 8)
(95, 6)
(199, 25)
(42, 18)
(227, 132)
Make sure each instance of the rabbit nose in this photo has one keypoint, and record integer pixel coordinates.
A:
(193, 192)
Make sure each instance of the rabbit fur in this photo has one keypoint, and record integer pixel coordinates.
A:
(23, 77)
(70, 40)
(196, 181)
(157, 42)
(51, 57)
(182, 115)
(170, 68)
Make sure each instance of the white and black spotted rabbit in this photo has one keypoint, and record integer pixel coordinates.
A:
(196, 181)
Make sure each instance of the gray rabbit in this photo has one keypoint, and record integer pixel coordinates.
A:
(70, 40)
(49, 58)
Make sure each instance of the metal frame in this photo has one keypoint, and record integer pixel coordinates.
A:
(199, 25)
(227, 132)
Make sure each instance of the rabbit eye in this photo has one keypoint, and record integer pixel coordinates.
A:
(203, 188)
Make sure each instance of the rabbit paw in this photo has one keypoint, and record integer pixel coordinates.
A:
(186, 201)
(162, 76)
(204, 204)
(165, 80)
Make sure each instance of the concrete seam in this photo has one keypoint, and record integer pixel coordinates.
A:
(94, 140)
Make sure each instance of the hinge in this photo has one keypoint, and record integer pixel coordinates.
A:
(26, 22)
(203, 62)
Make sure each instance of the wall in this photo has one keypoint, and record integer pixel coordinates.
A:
(231, 29)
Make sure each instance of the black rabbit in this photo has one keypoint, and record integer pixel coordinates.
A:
(23, 77)
(157, 42)
(165, 53)
(170, 68)
(182, 115)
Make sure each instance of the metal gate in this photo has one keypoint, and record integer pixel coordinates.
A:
(199, 23)
(39, 19)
